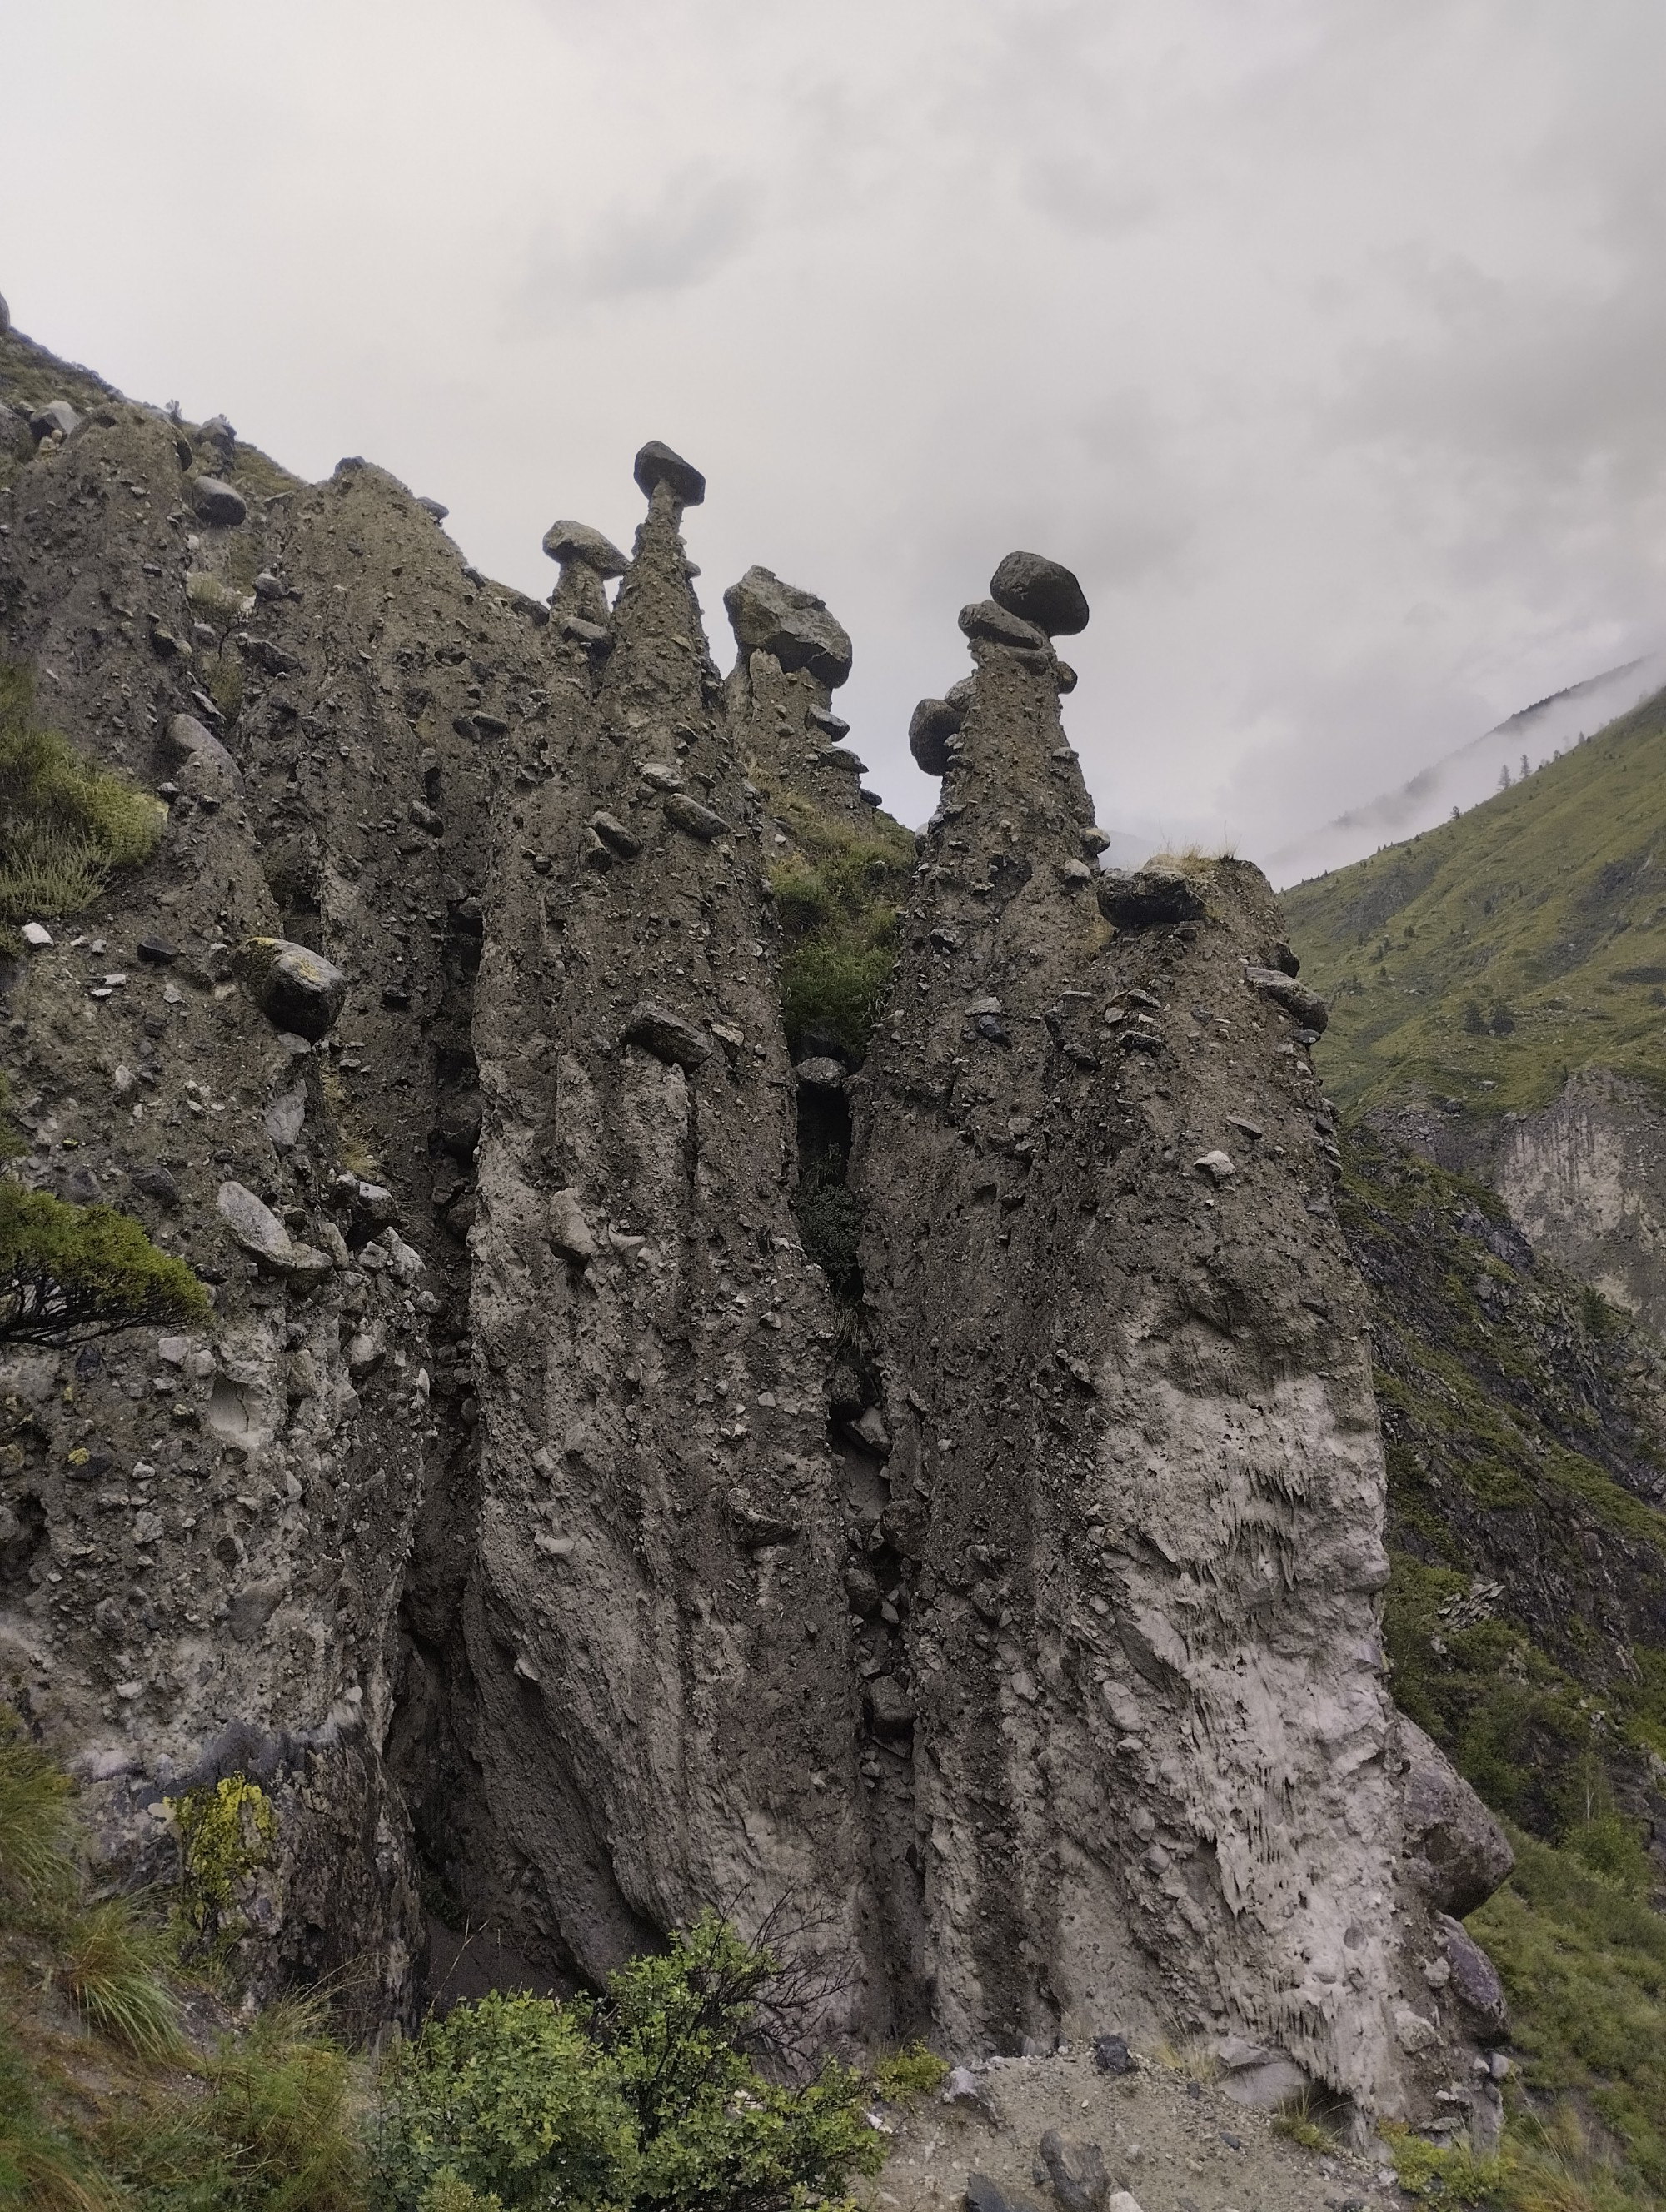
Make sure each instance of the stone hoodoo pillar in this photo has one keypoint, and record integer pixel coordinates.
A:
(1135, 1484)
(657, 1623)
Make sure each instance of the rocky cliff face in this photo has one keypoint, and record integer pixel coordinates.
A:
(1585, 1175)
(537, 1523)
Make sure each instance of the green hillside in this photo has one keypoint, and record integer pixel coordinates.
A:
(1485, 960)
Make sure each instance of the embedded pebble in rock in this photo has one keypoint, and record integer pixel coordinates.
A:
(1215, 1167)
(36, 935)
(219, 503)
(792, 626)
(695, 820)
(267, 586)
(294, 987)
(436, 508)
(569, 1232)
(1041, 591)
(1303, 1006)
(669, 1037)
(821, 1074)
(620, 840)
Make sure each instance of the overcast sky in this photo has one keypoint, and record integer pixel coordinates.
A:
(1325, 339)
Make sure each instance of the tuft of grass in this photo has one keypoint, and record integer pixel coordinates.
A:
(65, 826)
(38, 1870)
(275, 2132)
(1486, 959)
(114, 1967)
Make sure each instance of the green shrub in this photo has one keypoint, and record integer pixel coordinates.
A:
(65, 826)
(838, 898)
(829, 1218)
(647, 2098)
(72, 1272)
(904, 2077)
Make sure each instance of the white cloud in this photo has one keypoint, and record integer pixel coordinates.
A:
(1324, 342)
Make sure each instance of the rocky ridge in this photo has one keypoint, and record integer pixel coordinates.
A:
(534, 1523)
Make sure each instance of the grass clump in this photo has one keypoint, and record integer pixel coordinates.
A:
(838, 896)
(69, 1273)
(648, 2097)
(65, 826)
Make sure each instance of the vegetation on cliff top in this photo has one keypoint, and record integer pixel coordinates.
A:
(838, 895)
(1486, 960)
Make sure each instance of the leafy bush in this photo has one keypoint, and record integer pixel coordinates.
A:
(72, 1272)
(904, 2077)
(65, 826)
(646, 2098)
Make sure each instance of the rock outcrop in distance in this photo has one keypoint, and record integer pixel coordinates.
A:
(554, 1540)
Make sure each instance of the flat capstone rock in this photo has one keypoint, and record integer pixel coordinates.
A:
(1148, 897)
(989, 623)
(656, 463)
(1303, 1005)
(1041, 591)
(794, 626)
(568, 541)
(435, 508)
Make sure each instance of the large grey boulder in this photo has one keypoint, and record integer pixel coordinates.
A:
(219, 503)
(1474, 1982)
(187, 742)
(1303, 1005)
(767, 616)
(263, 1236)
(57, 416)
(296, 989)
(931, 725)
(1040, 591)
(1457, 1853)
(1147, 897)
(656, 463)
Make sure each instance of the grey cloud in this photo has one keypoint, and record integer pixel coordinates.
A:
(676, 238)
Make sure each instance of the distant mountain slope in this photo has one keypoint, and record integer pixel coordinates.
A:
(1464, 778)
(1498, 998)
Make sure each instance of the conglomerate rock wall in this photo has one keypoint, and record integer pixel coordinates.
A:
(534, 1523)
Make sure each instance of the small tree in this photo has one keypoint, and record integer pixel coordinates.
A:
(68, 1273)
